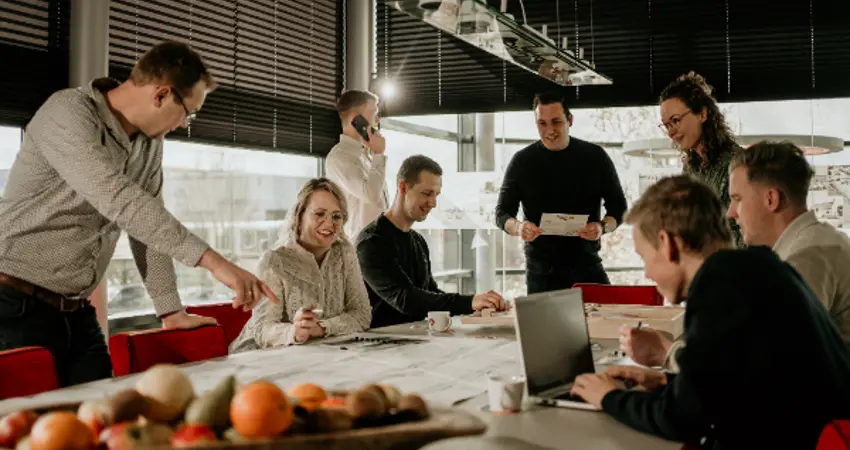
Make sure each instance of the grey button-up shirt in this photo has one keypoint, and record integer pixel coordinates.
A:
(821, 254)
(78, 180)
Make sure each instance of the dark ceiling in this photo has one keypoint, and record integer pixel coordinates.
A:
(767, 50)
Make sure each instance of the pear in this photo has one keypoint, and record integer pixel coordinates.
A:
(213, 408)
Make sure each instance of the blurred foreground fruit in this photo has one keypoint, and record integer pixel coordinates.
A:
(60, 431)
(260, 410)
(15, 426)
(168, 391)
(192, 436)
(213, 408)
(310, 396)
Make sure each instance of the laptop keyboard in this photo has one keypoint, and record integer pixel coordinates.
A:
(570, 397)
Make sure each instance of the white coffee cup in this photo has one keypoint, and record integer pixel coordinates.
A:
(505, 393)
(439, 321)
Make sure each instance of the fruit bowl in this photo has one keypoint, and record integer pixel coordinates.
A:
(162, 412)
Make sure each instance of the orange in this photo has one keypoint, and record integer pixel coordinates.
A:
(309, 395)
(61, 430)
(260, 410)
(333, 402)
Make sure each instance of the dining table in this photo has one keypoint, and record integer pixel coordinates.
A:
(445, 368)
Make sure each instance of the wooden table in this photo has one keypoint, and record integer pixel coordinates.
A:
(555, 428)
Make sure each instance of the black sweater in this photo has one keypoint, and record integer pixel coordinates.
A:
(397, 270)
(575, 180)
(763, 365)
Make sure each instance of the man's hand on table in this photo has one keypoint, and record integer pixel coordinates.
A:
(249, 289)
(644, 345)
(185, 321)
(489, 300)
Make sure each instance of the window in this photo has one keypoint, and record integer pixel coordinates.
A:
(234, 199)
(10, 144)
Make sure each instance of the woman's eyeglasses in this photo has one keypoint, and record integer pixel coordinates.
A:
(674, 121)
(337, 217)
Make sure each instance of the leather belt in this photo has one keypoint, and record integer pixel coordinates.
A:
(58, 301)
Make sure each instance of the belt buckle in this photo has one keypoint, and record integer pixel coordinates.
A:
(62, 307)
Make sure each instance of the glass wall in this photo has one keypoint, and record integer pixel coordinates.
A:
(610, 128)
(236, 198)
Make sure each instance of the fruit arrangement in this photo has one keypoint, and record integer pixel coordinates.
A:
(162, 409)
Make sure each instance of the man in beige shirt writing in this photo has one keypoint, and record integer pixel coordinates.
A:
(358, 165)
(90, 165)
(768, 186)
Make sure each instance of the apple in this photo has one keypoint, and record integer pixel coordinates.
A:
(191, 436)
(16, 426)
(91, 413)
(129, 435)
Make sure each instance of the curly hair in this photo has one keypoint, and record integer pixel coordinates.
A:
(717, 138)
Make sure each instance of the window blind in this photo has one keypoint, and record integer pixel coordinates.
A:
(278, 65)
(34, 55)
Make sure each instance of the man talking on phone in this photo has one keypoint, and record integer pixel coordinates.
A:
(358, 164)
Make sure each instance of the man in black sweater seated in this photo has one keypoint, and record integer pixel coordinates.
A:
(764, 366)
(395, 259)
(560, 174)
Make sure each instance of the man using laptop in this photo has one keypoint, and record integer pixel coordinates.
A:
(741, 383)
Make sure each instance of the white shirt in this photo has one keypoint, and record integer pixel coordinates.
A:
(821, 254)
(362, 179)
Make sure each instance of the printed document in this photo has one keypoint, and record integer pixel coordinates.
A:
(562, 224)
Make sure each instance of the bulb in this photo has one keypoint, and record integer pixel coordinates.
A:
(388, 90)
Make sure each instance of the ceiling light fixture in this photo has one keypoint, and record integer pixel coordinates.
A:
(498, 33)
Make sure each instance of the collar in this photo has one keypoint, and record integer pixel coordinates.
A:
(789, 235)
(97, 90)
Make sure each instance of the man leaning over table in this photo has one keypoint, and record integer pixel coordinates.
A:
(769, 183)
(394, 258)
(90, 165)
(560, 174)
(741, 383)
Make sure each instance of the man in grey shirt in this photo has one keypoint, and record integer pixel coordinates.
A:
(768, 186)
(90, 165)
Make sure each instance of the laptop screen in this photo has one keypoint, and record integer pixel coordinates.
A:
(554, 343)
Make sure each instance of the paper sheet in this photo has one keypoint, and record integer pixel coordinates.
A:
(562, 224)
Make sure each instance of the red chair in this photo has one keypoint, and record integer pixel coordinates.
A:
(606, 294)
(233, 320)
(137, 351)
(835, 436)
(27, 371)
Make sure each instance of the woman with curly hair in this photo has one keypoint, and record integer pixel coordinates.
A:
(692, 119)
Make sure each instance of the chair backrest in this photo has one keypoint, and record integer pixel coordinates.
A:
(606, 294)
(232, 319)
(137, 351)
(835, 436)
(27, 371)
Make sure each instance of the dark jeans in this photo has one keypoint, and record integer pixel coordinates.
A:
(544, 277)
(74, 338)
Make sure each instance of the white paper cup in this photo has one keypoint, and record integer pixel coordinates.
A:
(505, 393)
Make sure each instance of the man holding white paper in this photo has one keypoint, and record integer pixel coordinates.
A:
(561, 182)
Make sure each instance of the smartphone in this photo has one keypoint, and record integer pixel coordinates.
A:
(362, 126)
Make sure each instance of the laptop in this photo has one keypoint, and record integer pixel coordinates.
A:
(554, 345)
